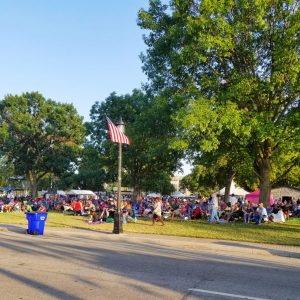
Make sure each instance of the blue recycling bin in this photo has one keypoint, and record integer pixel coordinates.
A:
(36, 222)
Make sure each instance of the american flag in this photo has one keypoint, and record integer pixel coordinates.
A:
(115, 134)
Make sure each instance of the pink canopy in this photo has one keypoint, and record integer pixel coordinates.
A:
(254, 197)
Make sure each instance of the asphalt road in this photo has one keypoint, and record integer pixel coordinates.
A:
(80, 264)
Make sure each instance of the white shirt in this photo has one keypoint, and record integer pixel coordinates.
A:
(157, 208)
(232, 200)
(213, 203)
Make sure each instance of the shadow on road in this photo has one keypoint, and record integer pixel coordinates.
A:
(13, 228)
(273, 251)
(44, 288)
(146, 263)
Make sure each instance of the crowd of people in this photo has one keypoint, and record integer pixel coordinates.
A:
(215, 210)
(212, 209)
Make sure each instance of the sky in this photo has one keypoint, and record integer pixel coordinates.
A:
(75, 51)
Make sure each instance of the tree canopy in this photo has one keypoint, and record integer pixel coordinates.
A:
(232, 68)
(39, 136)
(148, 162)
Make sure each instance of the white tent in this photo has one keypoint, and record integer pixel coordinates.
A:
(61, 193)
(153, 195)
(81, 193)
(234, 189)
(179, 195)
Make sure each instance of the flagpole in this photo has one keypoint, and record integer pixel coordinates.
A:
(118, 225)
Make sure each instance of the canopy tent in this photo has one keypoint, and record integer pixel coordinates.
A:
(254, 197)
(81, 193)
(179, 195)
(49, 194)
(61, 193)
(9, 189)
(234, 189)
(153, 195)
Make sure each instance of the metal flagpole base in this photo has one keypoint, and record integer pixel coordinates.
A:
(118, 224)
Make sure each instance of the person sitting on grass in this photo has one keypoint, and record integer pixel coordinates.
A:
(261, 214)
(28, 208)
(42, 208)
(77, 207)
(285, 209)
(248, 212)
(197, 213)
(185, 210)
(204, 208)
(128, 207)
(175, 208)
(297, 209)
(147, 209)
(276, 215)
(103, 212)
(223, 206)
(93, 218)
(237, 213)
(90, 206)
(1, 205)
(8, 207)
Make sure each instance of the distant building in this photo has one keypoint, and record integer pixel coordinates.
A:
(175, 181)
(286, 193)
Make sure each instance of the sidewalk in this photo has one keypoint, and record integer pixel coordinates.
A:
(222, 246)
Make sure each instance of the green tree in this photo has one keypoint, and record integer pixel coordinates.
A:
(91, 171)
(40, 136)
(231, 66)
(149, 155)
(191, 183)
(6, 170)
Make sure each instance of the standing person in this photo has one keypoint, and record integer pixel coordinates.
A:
(232, 200)
(157, 211)
(213, 208)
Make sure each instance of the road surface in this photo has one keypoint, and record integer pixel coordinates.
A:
(81, 264)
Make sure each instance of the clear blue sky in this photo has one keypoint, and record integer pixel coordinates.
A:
(75, 51)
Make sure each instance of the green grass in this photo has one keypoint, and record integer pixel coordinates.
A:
(287, 233)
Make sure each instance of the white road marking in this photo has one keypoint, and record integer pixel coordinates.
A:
(225, 294)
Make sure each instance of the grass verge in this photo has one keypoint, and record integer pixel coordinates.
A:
(287, 233)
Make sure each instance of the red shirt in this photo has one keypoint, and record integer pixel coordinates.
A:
(42, 209)
(77, 205)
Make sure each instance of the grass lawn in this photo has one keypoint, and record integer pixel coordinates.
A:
(287, 233)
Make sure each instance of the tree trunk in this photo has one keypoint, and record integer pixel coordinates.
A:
(263, 165)
(134, 185)
(227, 187)
(32, 178)
(265, 182)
